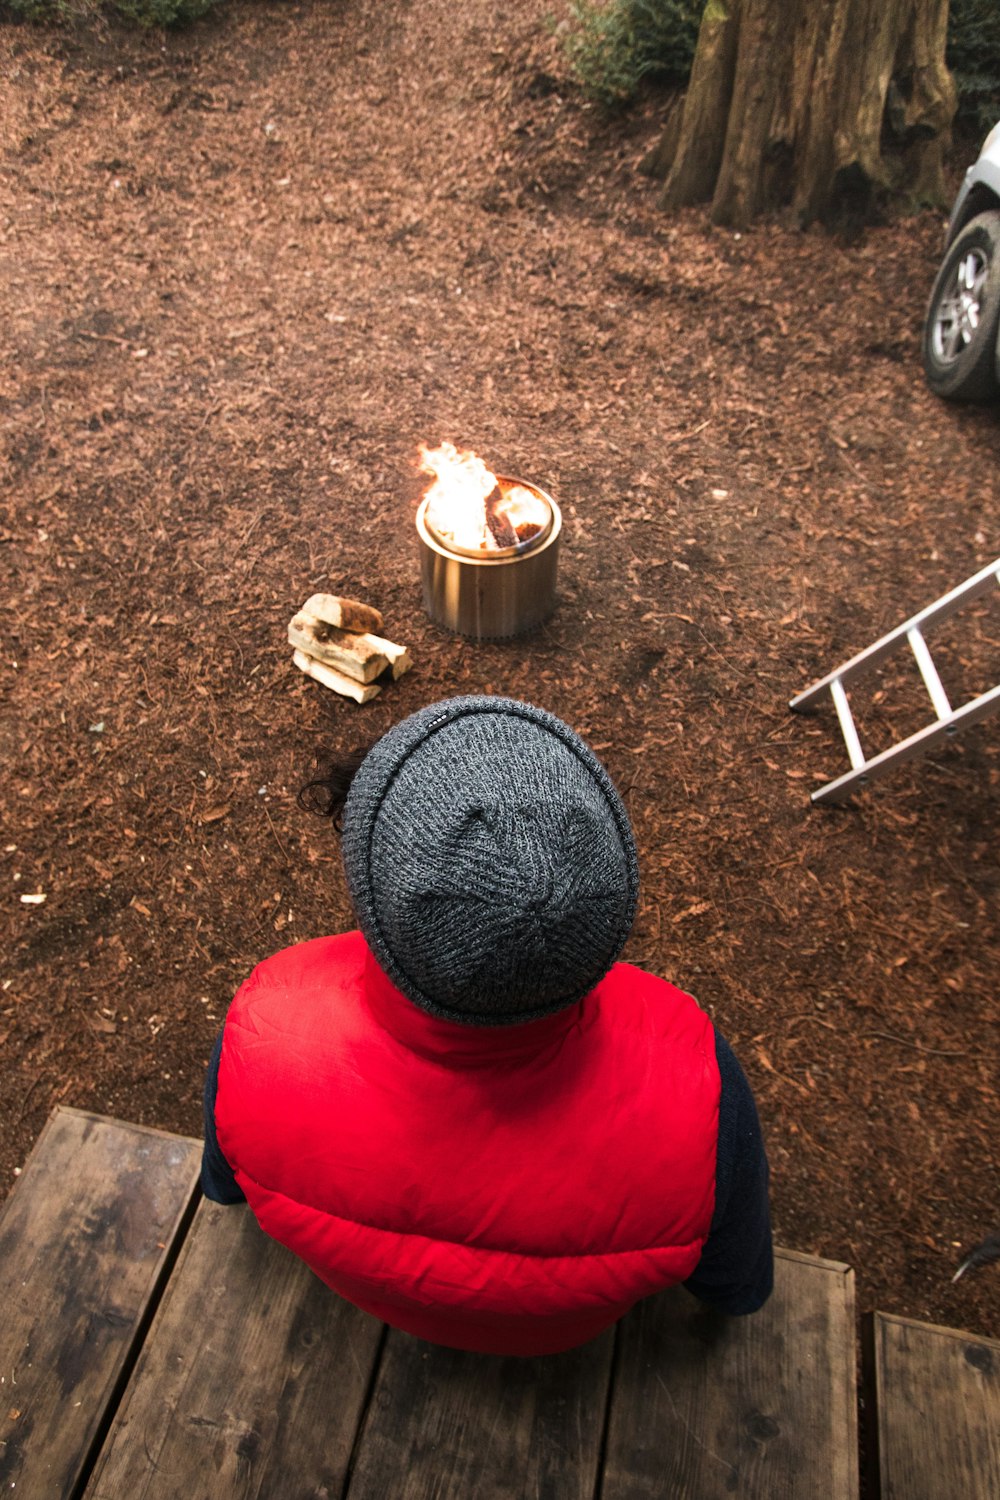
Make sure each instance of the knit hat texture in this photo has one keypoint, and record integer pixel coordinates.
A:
(490, 860)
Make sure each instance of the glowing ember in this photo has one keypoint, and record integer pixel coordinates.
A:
(469, 507)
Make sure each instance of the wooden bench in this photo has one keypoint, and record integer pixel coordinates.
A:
(160, 1349)
(937, 1403)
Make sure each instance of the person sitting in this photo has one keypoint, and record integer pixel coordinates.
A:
(468, 1117)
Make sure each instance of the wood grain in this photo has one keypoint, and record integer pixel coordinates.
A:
(706, 1407)
(444, 1425)
(84, 1239)
(353, 656)
(361, 692)
(345, 614)
(937, 1394)
(251, 1382)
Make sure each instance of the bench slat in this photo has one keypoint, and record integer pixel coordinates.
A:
(937, 1395)
(84, 1238)
(251, 1381)
(445, 1425)
(706, 1407)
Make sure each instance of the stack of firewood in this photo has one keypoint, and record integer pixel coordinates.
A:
(338, 642)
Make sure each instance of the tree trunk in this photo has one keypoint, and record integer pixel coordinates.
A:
(820, 106)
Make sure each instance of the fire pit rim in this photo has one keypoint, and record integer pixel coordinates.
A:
(552, 525)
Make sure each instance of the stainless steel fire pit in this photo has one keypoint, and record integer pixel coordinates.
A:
(491, 594)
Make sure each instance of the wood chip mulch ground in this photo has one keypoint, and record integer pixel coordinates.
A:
(246, 269)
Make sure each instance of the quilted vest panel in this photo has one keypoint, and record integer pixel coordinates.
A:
(506, 1189)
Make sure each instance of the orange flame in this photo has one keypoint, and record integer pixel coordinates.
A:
(457, 501)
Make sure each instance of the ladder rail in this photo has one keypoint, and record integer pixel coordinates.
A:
(977, 708)
(978, 584)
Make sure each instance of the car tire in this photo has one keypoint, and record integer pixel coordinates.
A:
(960, 329)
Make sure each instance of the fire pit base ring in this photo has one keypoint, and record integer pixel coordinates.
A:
(489, 598)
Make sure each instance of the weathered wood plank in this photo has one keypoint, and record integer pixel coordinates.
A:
(706, 1407)
(443, 1425)
(84, 1238)
(251, 1381)
(937, 1400)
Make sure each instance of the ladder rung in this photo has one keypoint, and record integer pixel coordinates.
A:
(947, 605)
(969, 713)
(929, 673)
(948, 720)
(846, 718)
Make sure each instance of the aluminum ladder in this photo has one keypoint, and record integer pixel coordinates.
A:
(947, 721)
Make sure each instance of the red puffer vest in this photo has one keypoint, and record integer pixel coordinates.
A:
(511, 1190)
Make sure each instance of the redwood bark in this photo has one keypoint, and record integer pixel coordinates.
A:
(706, 107)
(813, 105)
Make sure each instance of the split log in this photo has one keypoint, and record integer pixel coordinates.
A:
(345, 614)
(347, 687)
(398, 657)
(354, 655)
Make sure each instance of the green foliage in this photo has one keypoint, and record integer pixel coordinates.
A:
(974, 59)
(163, 12)
(143, 12)
(613, 44)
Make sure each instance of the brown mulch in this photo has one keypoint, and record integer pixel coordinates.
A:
(246, 269)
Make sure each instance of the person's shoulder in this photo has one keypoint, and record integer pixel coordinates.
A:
(634, 997)
(301, 965)
(297, 979)
(627, 981)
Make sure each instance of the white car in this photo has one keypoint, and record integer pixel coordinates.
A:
(961, 355)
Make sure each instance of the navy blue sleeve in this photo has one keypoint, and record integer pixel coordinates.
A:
(217, 1180)
(736, 1269)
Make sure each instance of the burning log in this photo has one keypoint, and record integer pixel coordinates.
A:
(498, 521)
(347, 687)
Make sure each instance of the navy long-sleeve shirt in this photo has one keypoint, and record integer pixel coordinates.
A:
(736, 1269)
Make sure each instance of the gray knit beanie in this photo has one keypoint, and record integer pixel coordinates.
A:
(490, 860)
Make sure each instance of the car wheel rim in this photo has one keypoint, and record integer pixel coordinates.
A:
(959, 311)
